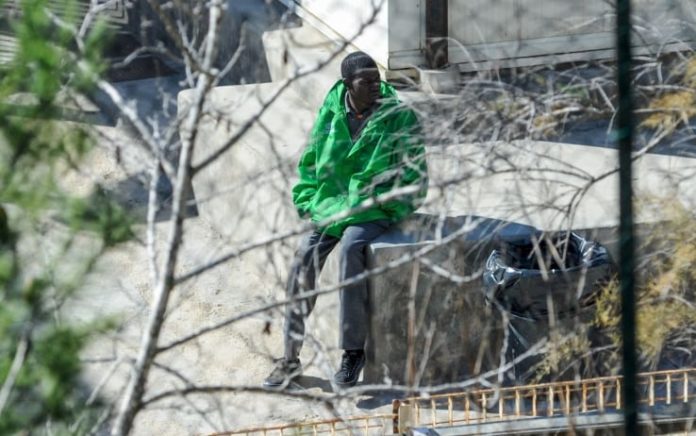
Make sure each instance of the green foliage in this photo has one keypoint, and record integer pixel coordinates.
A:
(100, 214)
(39, 357)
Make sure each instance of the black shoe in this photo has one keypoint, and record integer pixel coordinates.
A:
(284, 372)
(352, 363)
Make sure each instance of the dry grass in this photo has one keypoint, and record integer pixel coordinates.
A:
(671, 109)
(665, 302)
(666, 308)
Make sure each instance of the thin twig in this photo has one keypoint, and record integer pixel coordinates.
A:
(17, 363)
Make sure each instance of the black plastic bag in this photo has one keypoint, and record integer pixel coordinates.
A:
(532, 275)
(544, 281)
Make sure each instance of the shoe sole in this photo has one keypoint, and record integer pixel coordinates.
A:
(289, 385)
(287, 382)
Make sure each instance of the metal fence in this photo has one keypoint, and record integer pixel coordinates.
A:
(545, 399)
(365, 425)
(562, 398)
(112, 11)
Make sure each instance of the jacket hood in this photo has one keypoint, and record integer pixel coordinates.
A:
(335, 103)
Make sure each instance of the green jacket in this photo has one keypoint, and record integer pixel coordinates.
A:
(337, 174)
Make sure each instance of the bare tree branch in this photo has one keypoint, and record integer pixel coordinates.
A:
(132, 399)
(13, 373)
(286, 84)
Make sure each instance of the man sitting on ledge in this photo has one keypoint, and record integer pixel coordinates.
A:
(364, 144)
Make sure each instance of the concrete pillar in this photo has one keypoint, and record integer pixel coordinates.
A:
(452, 334)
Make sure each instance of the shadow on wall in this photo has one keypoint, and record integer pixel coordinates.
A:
(247, 20)
(242, 24)
(132, 194)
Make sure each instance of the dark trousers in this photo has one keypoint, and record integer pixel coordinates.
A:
(309, 260)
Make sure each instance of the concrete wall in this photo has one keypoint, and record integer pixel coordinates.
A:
(245, 195)
(489, 33)
(293, 52)
(456, 334)
(525, 32)
(343, 20)
(241, 193)
(533, 182)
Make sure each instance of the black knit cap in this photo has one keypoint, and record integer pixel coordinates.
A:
(354, 62)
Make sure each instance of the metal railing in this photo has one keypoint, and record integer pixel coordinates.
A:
(543, 400)
(490, 405)
(114, 11)
(364, 425)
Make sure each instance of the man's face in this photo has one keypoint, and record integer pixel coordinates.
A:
(364, 87)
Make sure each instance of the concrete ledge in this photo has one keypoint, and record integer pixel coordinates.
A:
(533, 182)
(440, 81)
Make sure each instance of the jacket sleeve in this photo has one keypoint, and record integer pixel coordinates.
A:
(410, 169)
(306, 187)
(398, 162)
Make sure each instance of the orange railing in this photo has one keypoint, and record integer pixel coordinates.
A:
(364, 425)
(544, 399)
(499, 404)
